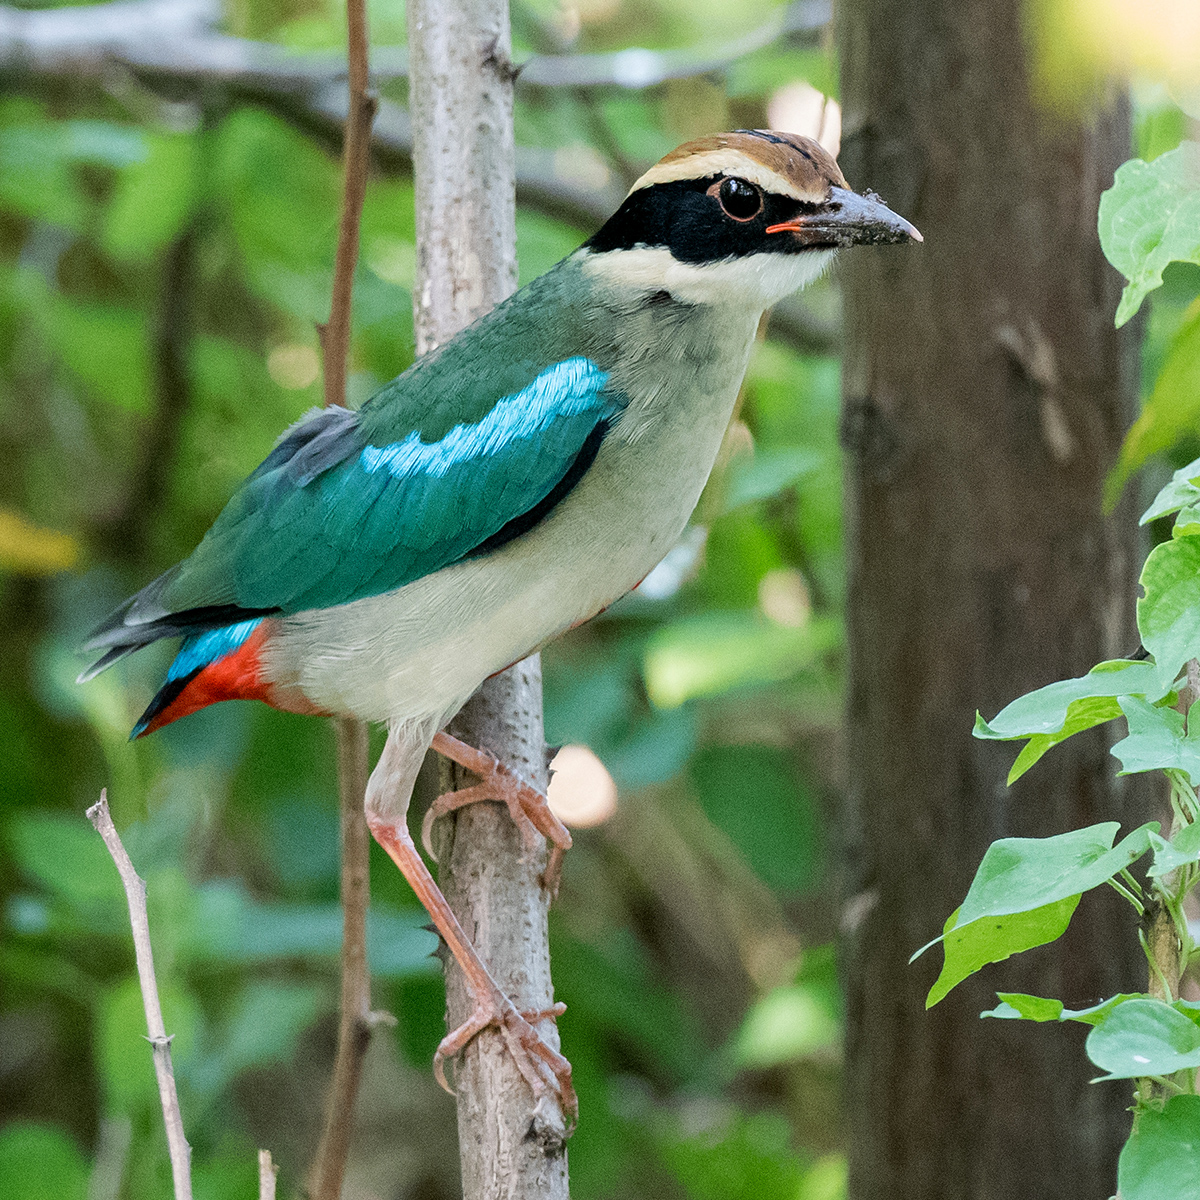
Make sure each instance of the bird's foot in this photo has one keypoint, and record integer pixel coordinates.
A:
(545, 1070)
(526, 804)
(541, 1065)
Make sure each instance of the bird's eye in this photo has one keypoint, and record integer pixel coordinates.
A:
(741, 200)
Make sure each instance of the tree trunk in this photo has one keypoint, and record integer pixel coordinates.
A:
(461, 102)
(985, 397)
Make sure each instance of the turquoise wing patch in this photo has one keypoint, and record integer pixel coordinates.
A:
(358, 518)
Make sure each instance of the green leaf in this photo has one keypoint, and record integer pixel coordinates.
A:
(1168, 615)
(232, 928)
(1187, 524)
(40, 1162)
(1161, 1160)
(1157, 741)
(262, 1027)
(1151, 217)
(154, 199)
(1020, 874)
(731, 1155)
(1182, 849)
(1081, 715)
(37, 159)
(756, 795)
(994, 939)
(1057, 711)
(1038, 880)
(768, 473)
(1169, 414)
(1018, 1006)
(704, 656)
(787, 1024)
(67, 856)
(108, 347)
(1183, 490)
(1144, 1037)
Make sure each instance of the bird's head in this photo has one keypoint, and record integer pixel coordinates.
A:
(743, 217)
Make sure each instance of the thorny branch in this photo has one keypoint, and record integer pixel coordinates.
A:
(135, 893)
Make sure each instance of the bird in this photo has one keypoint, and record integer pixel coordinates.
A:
(382, 562)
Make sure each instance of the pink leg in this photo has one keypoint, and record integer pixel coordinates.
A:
(525, 803)
(541, 1065)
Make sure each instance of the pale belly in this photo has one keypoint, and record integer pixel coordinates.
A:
(422, 650)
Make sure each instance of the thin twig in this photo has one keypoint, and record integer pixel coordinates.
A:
(135, 893)
(267, 1172)
(335, 335)
(354, 1027)
(357, 1021)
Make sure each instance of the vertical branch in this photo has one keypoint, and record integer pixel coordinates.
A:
(356, 1020)
(135, 893)
(354, 1026)
(335, 334)
(267, 1174)
(461, 103)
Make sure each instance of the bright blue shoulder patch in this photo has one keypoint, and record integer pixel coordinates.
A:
(566, 389)
(201, 649)
(356, 519)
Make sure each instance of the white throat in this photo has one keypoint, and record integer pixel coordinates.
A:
(755, 282)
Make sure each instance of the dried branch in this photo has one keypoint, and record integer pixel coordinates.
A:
(267, 1172)
(354, 1026)
(335, 335)
(357, 1021)
(135, 893)
(177, 41)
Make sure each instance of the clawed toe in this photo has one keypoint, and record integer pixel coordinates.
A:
(526, 805)
(542, 1067)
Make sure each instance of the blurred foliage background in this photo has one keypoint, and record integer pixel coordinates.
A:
(163, 262)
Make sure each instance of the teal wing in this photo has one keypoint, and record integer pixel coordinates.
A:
(352, 504)
(339, 514)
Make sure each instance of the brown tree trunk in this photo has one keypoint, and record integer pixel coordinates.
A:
(985, 396)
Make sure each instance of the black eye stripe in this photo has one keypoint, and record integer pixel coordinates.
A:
(686, 217)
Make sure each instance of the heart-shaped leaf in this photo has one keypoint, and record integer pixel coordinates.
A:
(1144, 1037)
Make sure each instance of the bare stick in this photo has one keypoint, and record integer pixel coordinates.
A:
(135, 893)
(461, 104)
(335, 336)
(179, 42)
(354, 1027)
(267, 1172)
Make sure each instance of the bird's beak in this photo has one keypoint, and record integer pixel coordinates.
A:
(848, 219)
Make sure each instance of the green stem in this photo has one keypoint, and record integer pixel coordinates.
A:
(1137, 904)
(1162, 979)
(1131, 880)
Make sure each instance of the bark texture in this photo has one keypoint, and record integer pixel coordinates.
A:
(985, 397)
(461, 101)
